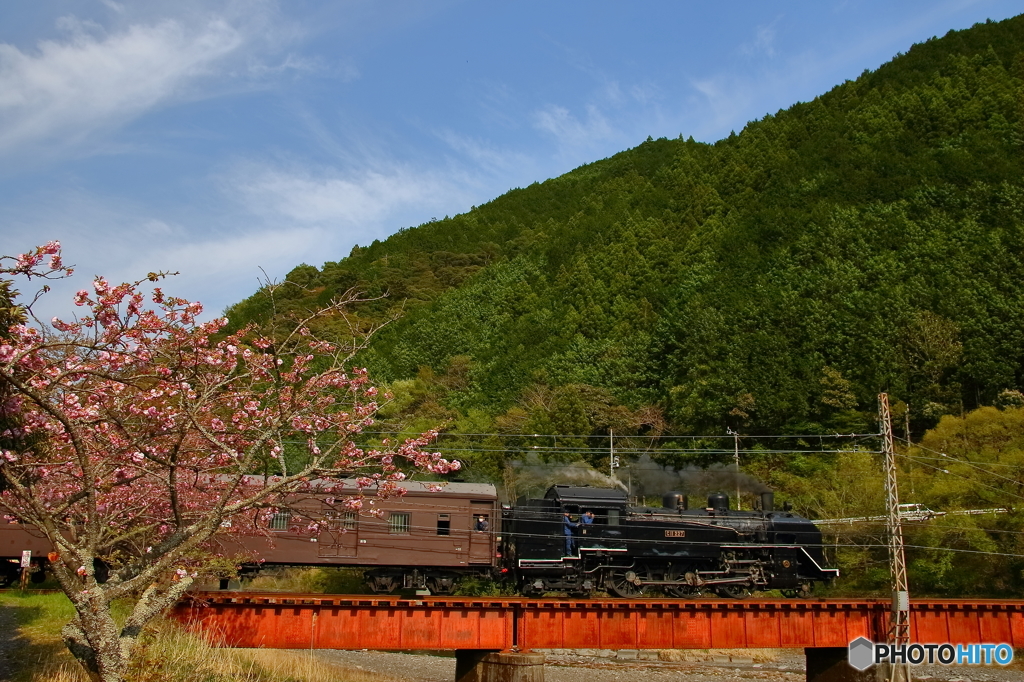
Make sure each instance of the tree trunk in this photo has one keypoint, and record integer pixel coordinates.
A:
(93, 639)
(99, 654)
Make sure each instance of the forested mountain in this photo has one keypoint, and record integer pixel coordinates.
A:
(773, 283)
(776, 280)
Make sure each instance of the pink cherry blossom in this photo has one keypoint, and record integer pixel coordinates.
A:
(136, 433)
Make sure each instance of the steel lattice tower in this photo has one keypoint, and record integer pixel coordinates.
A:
(899, 620)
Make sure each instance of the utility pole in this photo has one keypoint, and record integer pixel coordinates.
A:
(736, 457)
(899, 619)
(906, 425)
(910, 465)
(613, 461)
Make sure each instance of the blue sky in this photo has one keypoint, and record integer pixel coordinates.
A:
(217, 138)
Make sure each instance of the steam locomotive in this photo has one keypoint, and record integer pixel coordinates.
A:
(431, 540)
(683, 552)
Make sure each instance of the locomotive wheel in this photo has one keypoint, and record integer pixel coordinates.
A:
(733, 591)
(680, 590)
(683, 591)
(623, 582)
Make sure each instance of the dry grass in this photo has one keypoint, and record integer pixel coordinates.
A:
(167, 653)
(309, 580)
(173, 655)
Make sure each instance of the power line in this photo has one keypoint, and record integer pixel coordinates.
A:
(466, 534)
(640, 451)
(947, 458)
(944, 457)
(605, 436)
(973, 481)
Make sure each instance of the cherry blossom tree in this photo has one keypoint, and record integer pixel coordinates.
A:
(135, 435)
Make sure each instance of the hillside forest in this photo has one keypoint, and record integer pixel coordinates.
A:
(770, 284)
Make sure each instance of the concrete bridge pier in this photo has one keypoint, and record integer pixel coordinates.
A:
(488, 665)
(830, 664)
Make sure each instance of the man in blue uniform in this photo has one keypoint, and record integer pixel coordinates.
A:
(568, 527)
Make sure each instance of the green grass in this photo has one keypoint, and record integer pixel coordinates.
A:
(167, 653)
(37, 645)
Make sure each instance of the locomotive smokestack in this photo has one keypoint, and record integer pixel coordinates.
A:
(674, 500)
(767, 502)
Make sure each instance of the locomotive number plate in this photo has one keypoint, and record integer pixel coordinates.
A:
(675, 533)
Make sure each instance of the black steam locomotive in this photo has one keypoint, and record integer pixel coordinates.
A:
(553, 544)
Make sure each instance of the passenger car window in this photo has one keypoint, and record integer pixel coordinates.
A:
(398, 523)
(279, 521)
(444, 524)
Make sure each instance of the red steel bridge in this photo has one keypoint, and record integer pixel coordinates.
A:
(824, 626)
(297, 621)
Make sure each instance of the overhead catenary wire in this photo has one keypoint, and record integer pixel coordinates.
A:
(378, 525)
(626, 450)
(945, 457)
(416, 434)
(975, 482)
(464, 533)
(948, 458)
(723, 451)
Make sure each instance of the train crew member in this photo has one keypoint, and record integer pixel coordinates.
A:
(481, 523)
(586, 520)
(568, 527)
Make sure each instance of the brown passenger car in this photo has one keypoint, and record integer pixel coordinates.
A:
(423, 539)
(16, 538)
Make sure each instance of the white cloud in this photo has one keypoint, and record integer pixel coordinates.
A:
(294, 63)
(346, 201)
(570, 131)
(764, 41)
(727, 99)
(63, 91)
(219, 264)
(491, 159)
